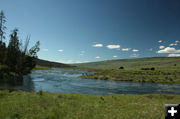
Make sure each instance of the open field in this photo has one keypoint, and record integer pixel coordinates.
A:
(44, 105)
(167, 70)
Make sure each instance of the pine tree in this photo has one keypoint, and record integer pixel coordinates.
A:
(2, 32)
(2, 27)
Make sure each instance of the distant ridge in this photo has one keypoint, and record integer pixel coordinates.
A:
(137, 63)
(46, 63)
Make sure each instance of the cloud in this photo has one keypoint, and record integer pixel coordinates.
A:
(173, 44)
(81, 54)
(160, 41)
(115, 56)
(168, 50)
(150, 49)
(134, 55)
(44, 49)
(126, 49)
(177, 41)
(97, 57)
(113, 46)
(97, 45)
(174, 55)
(60, 50)
(161, 47)
(135, 50)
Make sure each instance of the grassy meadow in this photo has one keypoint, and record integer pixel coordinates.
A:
(159, 63)
(44, 105)
(167, 70)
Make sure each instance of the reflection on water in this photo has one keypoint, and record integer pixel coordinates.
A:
(66, 81)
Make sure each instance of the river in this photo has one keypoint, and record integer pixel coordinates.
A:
(66, 81)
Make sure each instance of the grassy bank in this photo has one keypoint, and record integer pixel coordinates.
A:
(44, 105)
(166, 70)
(157, 76)
(41, 68)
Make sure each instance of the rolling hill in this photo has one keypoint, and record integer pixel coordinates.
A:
(157, 62)
(46, 63)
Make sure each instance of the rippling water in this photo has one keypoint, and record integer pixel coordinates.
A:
(66, 81)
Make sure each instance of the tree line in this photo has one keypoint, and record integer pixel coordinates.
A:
(16, 59)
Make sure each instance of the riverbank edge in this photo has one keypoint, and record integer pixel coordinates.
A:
(100, 74)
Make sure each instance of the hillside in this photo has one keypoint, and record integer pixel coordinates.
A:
(46, 63)
(130, 64)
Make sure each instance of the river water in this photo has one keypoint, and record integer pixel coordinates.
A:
(66, 81)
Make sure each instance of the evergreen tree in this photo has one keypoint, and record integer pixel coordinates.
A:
(2, 32)
(13, 51)
(15, 60)
(2, 27)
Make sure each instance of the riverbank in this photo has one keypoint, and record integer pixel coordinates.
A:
(156, 76)
(37, 67)
(154, 70)
(40, 105)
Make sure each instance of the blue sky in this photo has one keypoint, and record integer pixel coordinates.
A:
(72, 31)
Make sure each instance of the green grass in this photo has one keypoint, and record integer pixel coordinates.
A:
(41, 68)
(167, 70)
(44, 105)
(157, 76)
(160, 63)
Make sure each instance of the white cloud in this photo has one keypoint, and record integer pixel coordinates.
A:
(168, 50)
(115, 56)
(134, 55)
(160, 41)
(174, 55)
(97, 45)
(60, 50)
(44, 49)
(173, 44)
(150, 49)
(97, 57)
(177, 41)
(161, 47)
(126, 49)
(135, 50)
(81, 54)
(113, 46)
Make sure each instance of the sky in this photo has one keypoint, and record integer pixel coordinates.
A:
(77, 31)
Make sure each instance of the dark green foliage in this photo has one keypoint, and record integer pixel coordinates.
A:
(14, 60)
